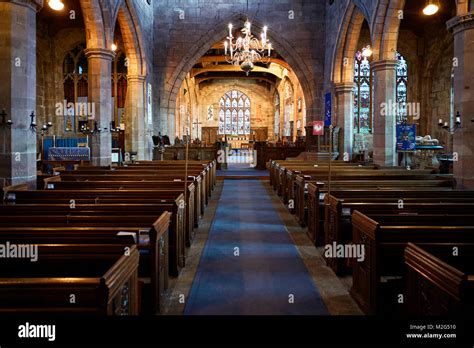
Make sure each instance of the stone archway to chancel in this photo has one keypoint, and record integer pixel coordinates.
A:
(289, 61)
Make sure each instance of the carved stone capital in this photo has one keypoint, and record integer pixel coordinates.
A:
(461, 23)
(99, 53)
(136, 78)
(35, 5)
(343, 87)
(388, 64)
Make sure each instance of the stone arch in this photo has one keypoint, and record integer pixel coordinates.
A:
(99, 16)
(345, 49)
(283, 47)
(385, 28)
(132, 39)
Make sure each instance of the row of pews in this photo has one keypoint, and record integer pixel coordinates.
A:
(108, 238)
(415, 230)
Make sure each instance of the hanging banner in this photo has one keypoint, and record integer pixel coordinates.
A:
(406, 137)
(327, 109)
(318, 127)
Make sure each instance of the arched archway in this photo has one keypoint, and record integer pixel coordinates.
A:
(284, 48)
(136, 107)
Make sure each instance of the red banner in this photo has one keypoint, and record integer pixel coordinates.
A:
(318, 127)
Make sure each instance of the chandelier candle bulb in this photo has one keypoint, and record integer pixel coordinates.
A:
(440, 121)
(458, 119)
(230, 29)
(225, 47)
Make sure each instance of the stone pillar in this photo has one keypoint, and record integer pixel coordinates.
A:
(135, 131)
(100, 94)
(384, 85)
(462, 28)
(18, 91)
(345, 117)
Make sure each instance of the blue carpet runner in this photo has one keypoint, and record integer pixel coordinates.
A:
(242, 169)
(269, 269)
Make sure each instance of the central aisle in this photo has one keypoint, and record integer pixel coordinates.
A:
(267, 274)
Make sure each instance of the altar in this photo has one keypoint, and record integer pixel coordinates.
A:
(69, 154)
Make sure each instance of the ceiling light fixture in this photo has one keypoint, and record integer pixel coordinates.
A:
(246, 50)
(56, 5)
(431, 7)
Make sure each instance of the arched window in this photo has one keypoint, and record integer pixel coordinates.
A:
(75, 82)
(363, 92)
(75, 67)
(234, 113)
(119, 86)
(289, 110)
(402, 83)
(276, 128)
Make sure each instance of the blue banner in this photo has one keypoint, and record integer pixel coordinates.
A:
(327, 110)
(406, 137)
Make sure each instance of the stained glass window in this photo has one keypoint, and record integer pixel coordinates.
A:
(234, 114)
(363, 92)
(402, 83)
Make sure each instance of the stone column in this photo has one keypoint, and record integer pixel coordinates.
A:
(345, 117)
(462, 28)
(100, 94)
(384, 84)
(135, 131)
(18, 91)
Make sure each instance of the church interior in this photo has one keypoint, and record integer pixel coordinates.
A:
(248, 157)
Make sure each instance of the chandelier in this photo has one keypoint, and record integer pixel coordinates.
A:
(247, 50)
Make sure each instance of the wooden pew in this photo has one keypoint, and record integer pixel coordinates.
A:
(439, 282)
(198, 186)
(378, 279)
(102, 279)
(41, 228)
(306, 190)
(337, 223)
(131, 171)
(190, 220)
(317, 201)
(177, 233)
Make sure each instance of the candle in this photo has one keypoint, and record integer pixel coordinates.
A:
(225, 47)
(440, 121)
(263, 40)
(458, 119)
(269, 48)
(230, 29)
(446, 124)
(265, 32)
(248, 26)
